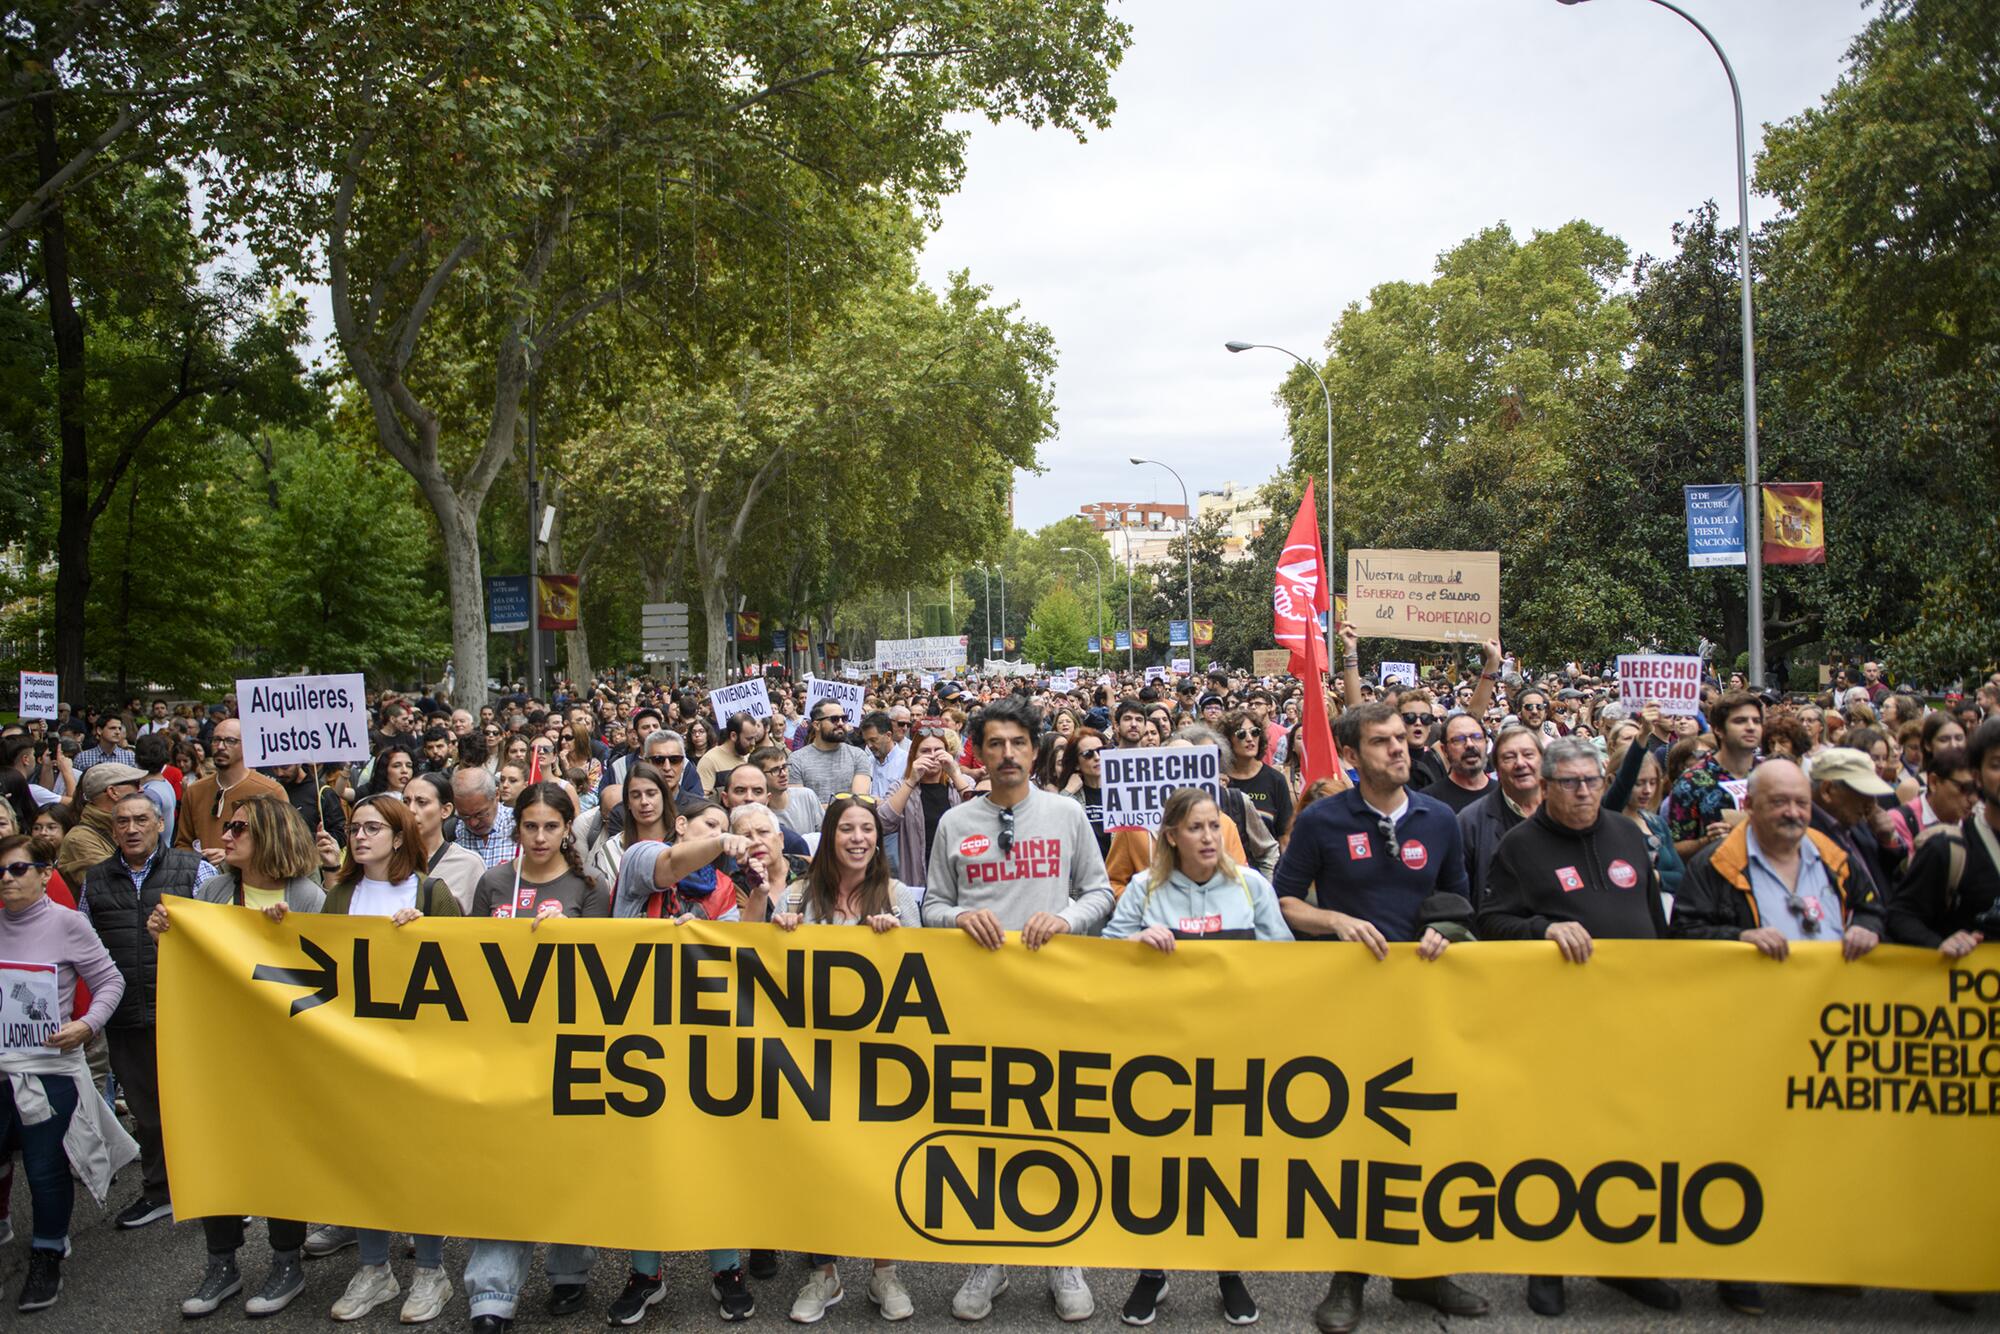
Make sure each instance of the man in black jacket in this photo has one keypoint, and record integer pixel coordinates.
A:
(1513, 797)
(1572, 874)
(119, 894)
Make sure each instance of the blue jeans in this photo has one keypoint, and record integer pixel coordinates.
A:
(497, 1269)
(51, 1193)
(646, 1264)
(375, 1248)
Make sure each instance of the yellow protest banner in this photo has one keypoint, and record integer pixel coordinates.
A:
(1434, 595)
(1669, 1109)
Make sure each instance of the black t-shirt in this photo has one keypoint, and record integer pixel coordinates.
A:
(1271, 795)
(937, 800)
(1426, 770)
(1454, 796)
(1093, 806)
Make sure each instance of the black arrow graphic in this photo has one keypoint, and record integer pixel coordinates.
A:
(325, 979)
(1378, 1099)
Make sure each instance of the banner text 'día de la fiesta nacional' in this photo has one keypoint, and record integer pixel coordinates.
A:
(1669, 1109)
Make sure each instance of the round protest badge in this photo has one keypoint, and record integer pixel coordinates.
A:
(1622, 874)
(1415, 855)
(973, 845)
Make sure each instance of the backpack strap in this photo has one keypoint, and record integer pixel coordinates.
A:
(1954, 851)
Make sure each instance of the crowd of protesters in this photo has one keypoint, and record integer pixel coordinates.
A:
(1487, 805)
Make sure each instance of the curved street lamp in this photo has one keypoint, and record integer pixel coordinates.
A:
(1188, 548)
(1238, 345)
(1098, 571)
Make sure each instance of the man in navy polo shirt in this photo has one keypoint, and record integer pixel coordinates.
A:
(1369, 857)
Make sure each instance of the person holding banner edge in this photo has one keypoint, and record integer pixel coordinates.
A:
(1194, 891)
(1016, 859)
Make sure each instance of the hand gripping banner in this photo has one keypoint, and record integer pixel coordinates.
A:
(1670, 1109)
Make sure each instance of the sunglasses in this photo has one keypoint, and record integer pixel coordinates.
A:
(1244, 734)
(238, 828)
(14, 870)
(861, 797)
(1579, 785)
(1417, 719)
(1006, 830)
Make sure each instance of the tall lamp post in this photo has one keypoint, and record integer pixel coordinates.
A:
(1752, 508)
(1237, 345)
(985, 570)
(1099, 572)
(1187, 548)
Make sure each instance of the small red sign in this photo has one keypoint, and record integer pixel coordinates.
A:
(1358, 849)
(973, 845)
(1622, 874)
(1567, 877)
(1415, 855)
(1200, 926)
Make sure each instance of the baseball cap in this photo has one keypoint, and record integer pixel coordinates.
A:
(1838, 764)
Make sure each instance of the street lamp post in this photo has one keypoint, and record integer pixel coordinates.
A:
(1752, 507)
(1237, 345)
(1003, 613)
(1187, 547)
(1098, 571)
(989, 609)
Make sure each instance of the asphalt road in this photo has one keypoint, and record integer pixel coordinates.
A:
(134, 1281)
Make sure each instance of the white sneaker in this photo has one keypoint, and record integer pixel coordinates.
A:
(886, 1290)
(429, 1291)
(820, 1291)
(975, 1296)
(369, 1288)
(1072, 1295)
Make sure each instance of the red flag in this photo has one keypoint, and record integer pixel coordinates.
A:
(1300, 591)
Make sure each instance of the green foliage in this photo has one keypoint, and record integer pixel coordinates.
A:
(1058, 630)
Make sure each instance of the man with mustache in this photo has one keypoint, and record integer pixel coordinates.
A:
(1015, 859)
(1772, 880)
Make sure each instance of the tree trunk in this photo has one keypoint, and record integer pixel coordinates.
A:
(715, 606)
(73, 515)
(458, 524)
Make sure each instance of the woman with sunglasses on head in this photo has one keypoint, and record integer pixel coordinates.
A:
(849, 884)
(50, 949)
(1194, 890)
(383, 875)
(268, 861)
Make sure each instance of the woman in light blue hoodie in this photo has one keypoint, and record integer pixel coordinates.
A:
(1194, 891)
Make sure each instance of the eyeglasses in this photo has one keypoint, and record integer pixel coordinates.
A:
(1579, 785)
(370, 829)
(1534, 708)
(225, 741)
(1417, 719)
(861, 797)
(237, 828)
(14, 870)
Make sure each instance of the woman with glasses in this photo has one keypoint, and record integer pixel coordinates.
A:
(383, 875)
(1194, 890)
(48, 950)
(849, 884)
(932, 784)
(1266, 788)
(1083, 777)
(268, 863)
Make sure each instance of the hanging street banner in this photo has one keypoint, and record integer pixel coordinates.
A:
(1433, 595)
(1671, 680)
(1139, 638)
(1204, 633)
(559, 601)
(936, 653)
(1091, 645)
(914, 1096)
(1715, 525)
(303, 719)
(1794, 523)
(1177, 633)
(1122, 639)
(509, 603)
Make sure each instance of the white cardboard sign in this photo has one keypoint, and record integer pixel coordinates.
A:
(849, 695)
(38, 695)
(303, 719)
(1672, 679)
(1406, 672)
(744, 697)
(30, 1005)
(1137, 781)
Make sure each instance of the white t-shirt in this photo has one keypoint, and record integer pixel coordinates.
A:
(379, 898)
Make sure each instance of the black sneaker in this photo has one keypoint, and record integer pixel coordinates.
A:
(1144, 1303)
(763, 1264)
(44, 1281)
(143, 1211)
(567, 1298)
(629, 1307)
(1238, 1306)
(732, 1294)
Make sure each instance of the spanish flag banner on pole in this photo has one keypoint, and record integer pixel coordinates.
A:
(1204, 633)
(748, 626)
(1794, 524)
(557, 596)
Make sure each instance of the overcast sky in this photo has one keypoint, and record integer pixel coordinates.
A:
(1270, 162)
